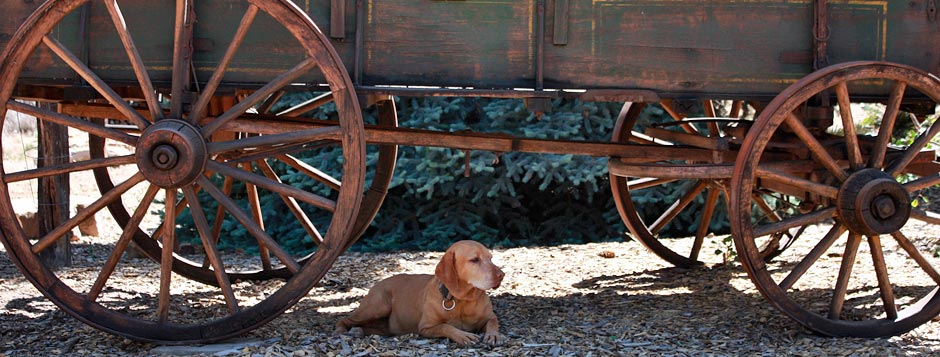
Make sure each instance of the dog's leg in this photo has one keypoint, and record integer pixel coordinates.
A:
(491, 334)
(459, 336)
(373, 308)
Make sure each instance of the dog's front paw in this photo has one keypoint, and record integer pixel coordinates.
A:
(464, 338)
(493, 339)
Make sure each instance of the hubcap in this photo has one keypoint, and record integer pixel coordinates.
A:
(871, 202)
(171, 153)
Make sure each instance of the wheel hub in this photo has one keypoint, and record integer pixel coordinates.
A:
(871, 202)
(171, 153)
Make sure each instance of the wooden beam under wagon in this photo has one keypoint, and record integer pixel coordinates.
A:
(465, 140)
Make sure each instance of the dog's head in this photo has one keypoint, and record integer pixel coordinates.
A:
(467, 270)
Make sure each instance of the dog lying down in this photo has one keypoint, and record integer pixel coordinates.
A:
(451, 303)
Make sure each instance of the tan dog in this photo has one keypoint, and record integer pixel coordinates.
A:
(452, 303)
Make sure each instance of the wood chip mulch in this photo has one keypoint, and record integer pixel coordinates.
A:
(601, 299)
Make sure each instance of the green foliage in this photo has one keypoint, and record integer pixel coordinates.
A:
(508, 199)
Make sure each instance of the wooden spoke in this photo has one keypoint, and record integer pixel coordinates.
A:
(220, 215)
(208, 91)
(667, 106)
(254, 205)
(881, 272)
(96, 82)
(254, 142)
(922, 183)
(709, 107)
(876, 160)
(265, 107)
(246, 221)
(180, 205)
(72, 122)
(66, 168)
(819, 152)
(848, 125)
(268, 89)
(311, 171)
(166, 255)
(292, 204)
(710, 202)
(274, 186)
(647, 182)
(765, 207)
(925, 216)
(106, 199)
(181, 42)
(737, 107)
(793, 222)
(677, 207)
(834, 233)
(915, 254)
(845, 273)
(306, 106)
(121, 246)
(801, 183)
(212, 251)
(899, 164)
(150, 95)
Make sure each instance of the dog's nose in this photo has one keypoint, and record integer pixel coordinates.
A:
(499, 275)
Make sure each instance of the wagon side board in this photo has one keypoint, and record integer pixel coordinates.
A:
(672, 47)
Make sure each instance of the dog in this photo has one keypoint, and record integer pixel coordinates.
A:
(452, 303)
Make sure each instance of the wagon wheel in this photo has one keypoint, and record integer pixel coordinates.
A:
(700, 186)
(172, 154)
(197, 267)
(871, 180)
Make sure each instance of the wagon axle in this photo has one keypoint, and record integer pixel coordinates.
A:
(871, 202)
(171, 153)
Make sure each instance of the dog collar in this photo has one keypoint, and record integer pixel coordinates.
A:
(445, 297)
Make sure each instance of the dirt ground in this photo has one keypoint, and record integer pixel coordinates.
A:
(558, 301)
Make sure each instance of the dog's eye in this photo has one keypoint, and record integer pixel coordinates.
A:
(475, 260)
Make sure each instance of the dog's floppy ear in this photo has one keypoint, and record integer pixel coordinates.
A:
(446, 272)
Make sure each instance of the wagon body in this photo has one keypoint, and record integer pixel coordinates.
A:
(675, 48)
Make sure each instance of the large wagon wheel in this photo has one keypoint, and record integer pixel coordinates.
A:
(197, 267)
(870, 178)
(700, 185)
(174, 155)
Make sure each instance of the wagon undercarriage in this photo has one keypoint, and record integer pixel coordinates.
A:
(201, 139)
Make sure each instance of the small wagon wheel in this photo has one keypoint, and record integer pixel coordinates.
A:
(870, 178)
(176, 164)
(197, 267)
(699, 185)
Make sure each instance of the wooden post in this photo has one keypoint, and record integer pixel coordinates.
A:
(53, 192)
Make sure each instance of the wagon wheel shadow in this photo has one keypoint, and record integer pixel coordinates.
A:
(84, 255)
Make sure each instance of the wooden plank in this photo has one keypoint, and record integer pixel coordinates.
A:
(712, 143)
(669, 46)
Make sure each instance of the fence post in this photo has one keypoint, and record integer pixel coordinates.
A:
(53, 191)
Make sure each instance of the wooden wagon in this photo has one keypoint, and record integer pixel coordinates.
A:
(813, 112)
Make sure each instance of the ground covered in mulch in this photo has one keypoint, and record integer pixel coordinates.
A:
(555, 301)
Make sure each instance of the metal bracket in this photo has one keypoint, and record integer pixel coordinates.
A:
(931, 10)
(821, 34)
(338, 19)
(560, 36)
